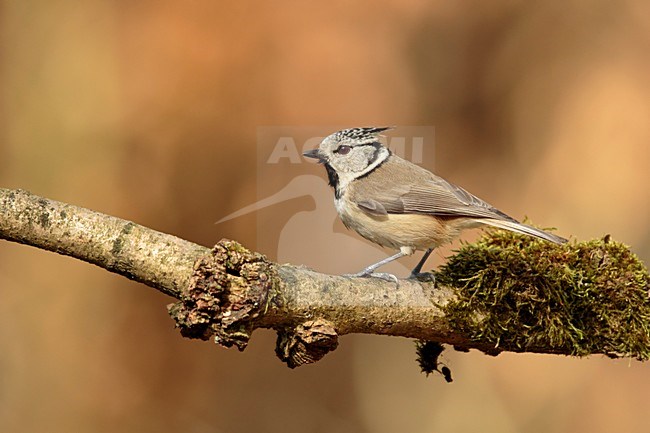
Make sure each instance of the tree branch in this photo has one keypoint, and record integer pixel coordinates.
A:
(158, 260)
(503, 293)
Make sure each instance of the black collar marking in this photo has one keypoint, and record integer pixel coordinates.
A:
(375, 155)
(333, 179)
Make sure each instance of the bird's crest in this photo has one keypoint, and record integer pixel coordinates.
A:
(361, 134)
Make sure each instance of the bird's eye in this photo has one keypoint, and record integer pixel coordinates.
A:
(343, 150)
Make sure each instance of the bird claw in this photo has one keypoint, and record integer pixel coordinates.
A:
(385, 276)
(423, 276)
(381, 275)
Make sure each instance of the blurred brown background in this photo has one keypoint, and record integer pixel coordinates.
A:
(150, 110)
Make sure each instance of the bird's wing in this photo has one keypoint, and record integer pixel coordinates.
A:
(372, 207)
(436, 197)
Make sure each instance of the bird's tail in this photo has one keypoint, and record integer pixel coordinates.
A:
(517, 227)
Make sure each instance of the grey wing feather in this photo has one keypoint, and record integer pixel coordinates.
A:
(437, 197)
(373, 207)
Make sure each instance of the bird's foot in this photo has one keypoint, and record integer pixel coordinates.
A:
(385, 276)
(423, 276)
(381, 275)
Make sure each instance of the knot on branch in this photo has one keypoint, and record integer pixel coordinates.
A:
(228, 290)
(306, 343)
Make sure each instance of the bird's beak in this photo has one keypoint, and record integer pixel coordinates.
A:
(314, 153)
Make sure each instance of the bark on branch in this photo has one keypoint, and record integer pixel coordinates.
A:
(491, 296)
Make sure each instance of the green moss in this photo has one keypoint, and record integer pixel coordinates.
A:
(521, 294)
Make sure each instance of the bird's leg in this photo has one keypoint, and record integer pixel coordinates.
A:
(415, 273)
(416, 270)
(369, 271)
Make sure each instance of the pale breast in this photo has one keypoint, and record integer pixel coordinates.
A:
(395, 231)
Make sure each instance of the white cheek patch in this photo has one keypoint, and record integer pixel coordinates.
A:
(383, 154)
(346, 178)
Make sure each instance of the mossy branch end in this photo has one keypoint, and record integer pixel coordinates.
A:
(522, 295)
